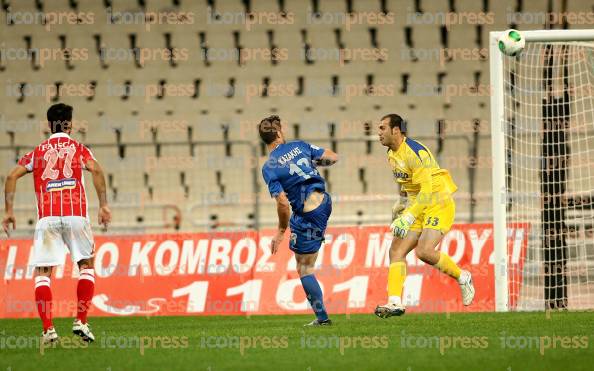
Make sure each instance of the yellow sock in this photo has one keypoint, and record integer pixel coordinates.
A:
(447, 266)
(396, 278)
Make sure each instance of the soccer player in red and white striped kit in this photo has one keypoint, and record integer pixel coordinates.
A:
(57, 165)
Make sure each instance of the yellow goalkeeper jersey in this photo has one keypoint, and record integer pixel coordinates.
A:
(419, 175)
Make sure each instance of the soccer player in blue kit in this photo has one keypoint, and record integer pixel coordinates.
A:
(293, 179)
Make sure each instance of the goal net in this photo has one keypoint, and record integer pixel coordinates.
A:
(543, 113)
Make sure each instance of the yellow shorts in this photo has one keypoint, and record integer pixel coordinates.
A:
(439, 216)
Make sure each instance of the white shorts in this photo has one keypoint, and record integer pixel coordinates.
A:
(55, 235)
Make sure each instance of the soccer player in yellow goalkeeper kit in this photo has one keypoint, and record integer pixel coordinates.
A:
(424, 213)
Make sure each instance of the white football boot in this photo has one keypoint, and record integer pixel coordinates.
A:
(466, 287)
(49, 336)
(316, 322)
(389, 310)
(83, 330)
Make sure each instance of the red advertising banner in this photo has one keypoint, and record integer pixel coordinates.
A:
(233, 273)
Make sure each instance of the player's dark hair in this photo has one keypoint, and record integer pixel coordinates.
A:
(269, 129)
(396, 122)
(59, 117)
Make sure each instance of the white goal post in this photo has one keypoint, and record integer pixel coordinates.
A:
(542, 130)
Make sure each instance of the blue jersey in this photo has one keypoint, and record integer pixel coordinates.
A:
(290, 168)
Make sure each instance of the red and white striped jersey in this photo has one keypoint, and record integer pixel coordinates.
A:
(57, 165)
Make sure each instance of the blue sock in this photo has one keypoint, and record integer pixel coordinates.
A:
(314, 295)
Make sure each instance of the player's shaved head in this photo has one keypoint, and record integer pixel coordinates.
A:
(270, 129)
(395, 121)
(387, 135)
(59, 118)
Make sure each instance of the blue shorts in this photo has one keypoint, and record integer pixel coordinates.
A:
(308, 229)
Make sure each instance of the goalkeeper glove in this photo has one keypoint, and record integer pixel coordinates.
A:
(401, 225)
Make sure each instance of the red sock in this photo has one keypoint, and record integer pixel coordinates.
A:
(43, 299)
(84, 293)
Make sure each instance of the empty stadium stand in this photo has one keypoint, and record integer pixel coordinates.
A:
(168, 94)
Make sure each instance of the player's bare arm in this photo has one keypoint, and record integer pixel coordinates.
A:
(99, 182)
(283, 210)
(329, 158)
(9, 192)
(400, 204)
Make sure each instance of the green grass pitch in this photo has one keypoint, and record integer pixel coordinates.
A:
(478, 341)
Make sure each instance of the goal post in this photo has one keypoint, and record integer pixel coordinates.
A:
(542, 130)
